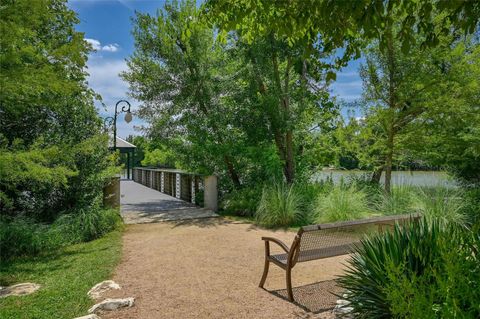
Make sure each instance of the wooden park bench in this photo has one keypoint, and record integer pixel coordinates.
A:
(323, 241)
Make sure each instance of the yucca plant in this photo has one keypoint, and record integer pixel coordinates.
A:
(341, 203)
(418, 270)
(280, 205)
(443, 204)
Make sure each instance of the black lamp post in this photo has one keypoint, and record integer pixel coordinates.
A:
(109, 121)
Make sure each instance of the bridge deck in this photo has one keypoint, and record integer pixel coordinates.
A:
(140, 204)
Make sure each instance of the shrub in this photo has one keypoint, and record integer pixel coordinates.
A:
(25, 237)
(471, 208)
(398, 202)
(341, 203)
(419, 270)
(22, 236)
(242, 202)
(280, 205)
(441, 203)
(88, 224)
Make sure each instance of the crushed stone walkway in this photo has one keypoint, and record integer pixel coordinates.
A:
(140, 204)
(210, 268)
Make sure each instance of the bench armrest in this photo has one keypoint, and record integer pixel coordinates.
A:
(278, 242)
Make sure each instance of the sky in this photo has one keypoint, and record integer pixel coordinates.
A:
(107, 26)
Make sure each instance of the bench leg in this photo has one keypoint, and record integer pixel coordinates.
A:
(289, 283)
(265, 273)
(267, 264)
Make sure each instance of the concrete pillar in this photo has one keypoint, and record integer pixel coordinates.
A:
(111, 193)
(177, 186)
(211, 193)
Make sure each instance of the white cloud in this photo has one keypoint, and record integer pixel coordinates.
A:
(105, 80)
(94, 43)
(110, 47)
(97, 45)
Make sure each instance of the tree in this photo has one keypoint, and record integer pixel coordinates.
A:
(42, 74)
(402, 90)
(177, 72)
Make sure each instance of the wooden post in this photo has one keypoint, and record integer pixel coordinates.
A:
(211, 194)
(177, 186)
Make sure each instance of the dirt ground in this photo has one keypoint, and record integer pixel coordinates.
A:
(210, 268)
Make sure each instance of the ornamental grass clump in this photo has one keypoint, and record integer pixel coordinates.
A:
(341, 203)
(443, 204)
(280, 205)
(419, 270)
(398, 202)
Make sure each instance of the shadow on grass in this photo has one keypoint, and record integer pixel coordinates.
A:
(315, 298)
(42, 264)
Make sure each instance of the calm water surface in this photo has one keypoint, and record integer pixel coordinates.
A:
(413, 178)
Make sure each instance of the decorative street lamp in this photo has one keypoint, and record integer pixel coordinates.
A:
(109, 121)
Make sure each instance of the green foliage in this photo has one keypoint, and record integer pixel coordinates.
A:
(33, 238)
(340, 204)
(65, 275)
(419, 270)
(159, 158)
(54, 160)
(445, 205)
(280, 206)
(242, 202)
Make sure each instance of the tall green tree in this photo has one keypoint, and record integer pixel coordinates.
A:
(179, 73)
(42, 74)
(403, 90)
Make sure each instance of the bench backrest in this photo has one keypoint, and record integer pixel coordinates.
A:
(334, 239)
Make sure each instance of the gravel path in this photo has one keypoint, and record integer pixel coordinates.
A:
(210, 268)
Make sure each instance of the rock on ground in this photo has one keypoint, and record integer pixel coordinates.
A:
(100, 288)
(19, 289)
(112, 304)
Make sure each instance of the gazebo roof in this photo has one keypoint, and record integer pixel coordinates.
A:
(122, 144)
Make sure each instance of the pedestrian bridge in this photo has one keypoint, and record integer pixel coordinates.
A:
(140, 204)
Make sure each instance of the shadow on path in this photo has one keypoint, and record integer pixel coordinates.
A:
(316, 298)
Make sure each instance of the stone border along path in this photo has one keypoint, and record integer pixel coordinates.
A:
(140, 204)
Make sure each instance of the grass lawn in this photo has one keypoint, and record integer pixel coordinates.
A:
(65, 277)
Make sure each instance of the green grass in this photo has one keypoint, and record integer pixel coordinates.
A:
(65, 276)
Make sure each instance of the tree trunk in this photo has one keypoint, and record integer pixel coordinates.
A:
(289, 160)
(377, 174)
(232, 172)
(388, 163)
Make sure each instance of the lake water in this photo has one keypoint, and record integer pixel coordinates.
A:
(413, 178)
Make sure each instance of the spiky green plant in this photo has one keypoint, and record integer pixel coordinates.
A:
(441, 203)
(418, 270)
(341, 203)
(280, 205)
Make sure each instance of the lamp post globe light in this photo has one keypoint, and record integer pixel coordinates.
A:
(112, 121)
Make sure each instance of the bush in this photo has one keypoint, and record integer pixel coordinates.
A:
(471, 207)
(398, 202)
(242, 202)
(341, 203)
(419, 270)
(24, 236)
(443, 204)
(280, 205)
(88, 224)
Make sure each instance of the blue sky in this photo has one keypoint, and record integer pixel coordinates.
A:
(107, 25)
